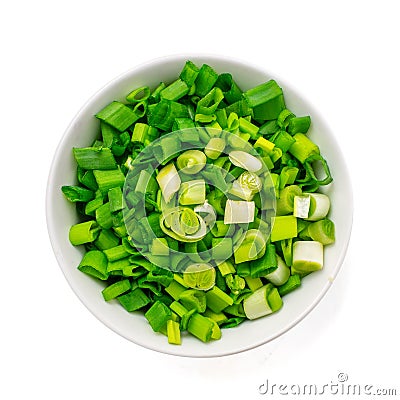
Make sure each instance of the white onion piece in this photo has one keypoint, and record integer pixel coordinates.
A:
(245, 160)
(169, 181)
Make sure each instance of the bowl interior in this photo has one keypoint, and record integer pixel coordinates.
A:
(61, 215)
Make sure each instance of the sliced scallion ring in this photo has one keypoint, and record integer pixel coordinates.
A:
(186, 225)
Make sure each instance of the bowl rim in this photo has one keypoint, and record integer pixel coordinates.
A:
(208, 58)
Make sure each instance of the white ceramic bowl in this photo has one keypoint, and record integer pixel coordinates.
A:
(133, 326)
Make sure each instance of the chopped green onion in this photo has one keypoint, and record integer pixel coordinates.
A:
(116, 289)
(189, 73)
(303, 147)
(308, 164)
(174, 289)
(308, 256)
(263, 301)
(285, 203)
(230, 89)
(175, 90)
(245, 160)
(169, 181)
(283, 227)
(104, 217)
(209, 103)
(109, 179)
(205, 80)
(222, 248)
(292, 283)
(158, 315)
(139, 94)
(94, 263)
(87, 178)
(217, 300)
(106, 239)
(280, 275)
(192, 192)
(191, 161)
(163, 115)
(84, 232)
(253, 283)
(117, 115)
(266, 264)
(77, 193)
(115, 199)
(299, 125)
(201, 327)
(283, 140)
(94, 158)
(192, 298)
(134, 300)
(319, 206)
(262, 93)
(214, 148)
(322, 231)
(173, 332)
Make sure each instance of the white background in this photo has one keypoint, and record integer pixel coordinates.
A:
(342, 55)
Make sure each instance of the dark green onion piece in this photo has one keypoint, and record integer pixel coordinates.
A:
(104, 217)
(232, 322)
(222, 118)
(299, 125)
(283, 140)
(158, 315)
(94, 158)
(189, 73)
(92, 205)
(87, 178)
(166, 148)
(269, 110)
(155, 94)
(205, 80)
(241, 108)
(116, 253)
(209, 103)
(217, 299)
(269, 128)
(134, 300)
(77, 193)
(201, 327)
(106, 240)
(263, 93)
(117, 115)
(175, 90)
(115, 199)
(284, 117)
(109, 179)
(116, 289)
(292, 283)
(308, 164)
(266, 264)
(183, 123)
(163, 115)
(94, 263)
(230, 89)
